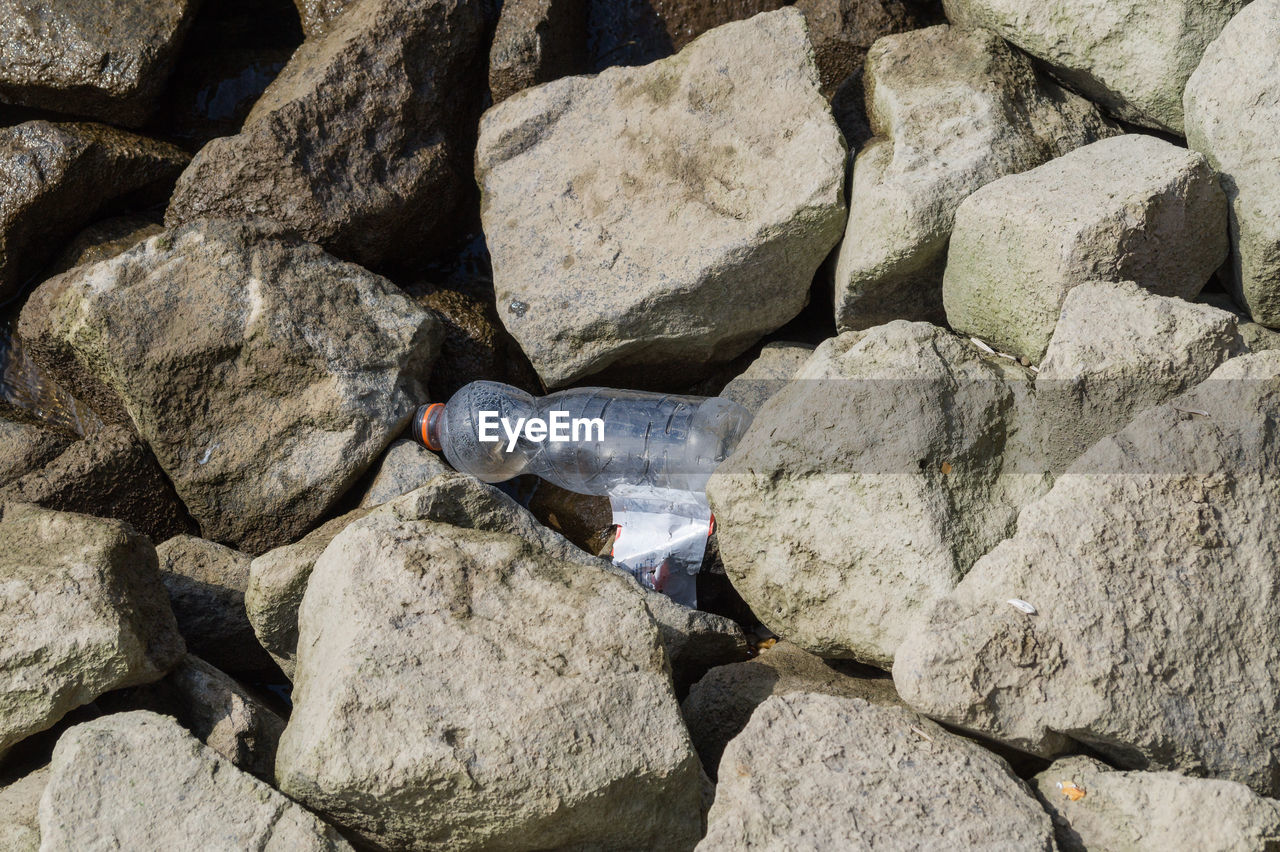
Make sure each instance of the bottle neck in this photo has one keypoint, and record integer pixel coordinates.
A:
(428, 426)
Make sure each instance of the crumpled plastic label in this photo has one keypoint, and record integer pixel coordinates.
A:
(662, 538)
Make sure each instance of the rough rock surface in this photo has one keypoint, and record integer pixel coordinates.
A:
(1117, 350)
(537, 41)
(1233, 116)
(476, 346)
(206, 583)
(109, 474)
(363, 142)
(1130, 208)
(82, 611)
(1153, 810)
(406, 466)
(542, 717)
(719, 706)
(103, 240)
(104, 61)
(952, 110)
(1131, 56)
(27, 443)
(821, 772)
(838, 531)
(58, 177)
(1256, 336)
(1156, 640)
(637, 32)
(216, 709)
(265, 384)
(769, 373)
(842, 31)
(139, 781)
(318, 16)
(694, 151)
(20, 812)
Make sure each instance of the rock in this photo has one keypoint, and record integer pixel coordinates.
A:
(1148, 563)
(584, 519)
(277, 582)
(817, 771)
(82, 611)
(59, 177)
(206, 584)
(103, 240)
(836, 530)
(1133, 56)
(690, 218)
(637, 32)
(1153, 810)
(542, 717)
(265, 385)
(20, 812)
(103, 62)
(215, 709)
(842, 31)
(139, 781)
(952, 110)
(110, 474)
(363, 142)
(406, 466)
(476, 346)
(537, 41)
(26, 442)
(1233, 115)
(318, 16)
(769, 373)
(1258, 338)
(1130, 208)
(695, 641)
(1118, 350)
(719, 706)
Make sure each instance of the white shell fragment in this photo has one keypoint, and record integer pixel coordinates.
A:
(1021, 605)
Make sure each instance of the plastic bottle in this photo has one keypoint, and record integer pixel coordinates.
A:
(638, 439)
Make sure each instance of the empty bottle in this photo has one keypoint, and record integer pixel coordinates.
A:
(586, 440)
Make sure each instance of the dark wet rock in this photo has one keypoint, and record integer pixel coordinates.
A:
(584, 519)
(109, 474)
(635, 32)
(103, 240)
(82, 611)
(363, 142)
(59, 177)
(265, 385)
(27, 443)
(537, 41)
(475, 346)
(107, 61)
(842, 31)
(720, 704)
(318, 16)
(210, 704)
(206, 584)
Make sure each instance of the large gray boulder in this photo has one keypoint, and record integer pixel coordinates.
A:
(27, 443)
(101, 60)
(775, 366)
(1130, 208)
(952, 111)
(1095, 807)
(821, 772)
(82, 611)
(1119, 349)
(1233, 116)
(363, 142)
(1131, 56)
(139, 781)
(866, 488)
(1155, 639)
(206, 583)
(663, 217)
(58, 177)
(406, 466)
(541, 716)
(719, 706)
(265, 375)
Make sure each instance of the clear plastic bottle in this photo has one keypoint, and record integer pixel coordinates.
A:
(616, 437)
